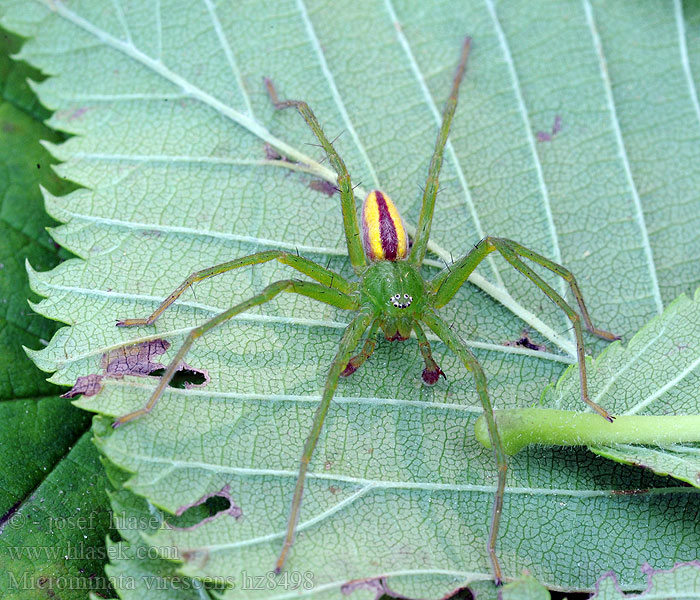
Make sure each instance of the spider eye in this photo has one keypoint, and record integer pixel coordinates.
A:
(396, 301)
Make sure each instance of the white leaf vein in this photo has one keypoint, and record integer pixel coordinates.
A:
(420, 79)
(622, 152)
(228, 52)
(318, 50)
(522, 110)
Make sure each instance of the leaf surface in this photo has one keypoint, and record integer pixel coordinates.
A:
(577, 134)
(680, 582)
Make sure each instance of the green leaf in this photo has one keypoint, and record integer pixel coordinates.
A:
(577, 134)
(53, 544)
(24, 165)
(44, 479)
(525, 587)
(655, 374)
(136, 570)
(681, 583)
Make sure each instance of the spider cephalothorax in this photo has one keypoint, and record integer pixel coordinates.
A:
(391, 294)
(381, 280)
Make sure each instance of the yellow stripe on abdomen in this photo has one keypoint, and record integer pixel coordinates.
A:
(383, 234)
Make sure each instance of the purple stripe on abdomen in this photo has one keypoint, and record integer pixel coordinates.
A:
(387, 230)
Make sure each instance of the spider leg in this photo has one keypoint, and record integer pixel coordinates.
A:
(425, 220)
(347, 195)
(358, 360)
(447, 282)
(575, 319)
(565, 274)
(303, 265)
(305, 288)
(351, 338)
(443, 331)
(432, 371)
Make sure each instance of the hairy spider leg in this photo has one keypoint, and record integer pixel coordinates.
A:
(304, 265)
(347, 194)
(417, 255)
(305, 288)
(568, 276)
(432, 371)
(368, 347)
(425, 220)
(448, 281)
(353, 333)
(470, 361)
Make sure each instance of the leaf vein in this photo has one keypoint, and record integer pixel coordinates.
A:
(300, 527)
(228, 52)
(122, 19)
(524, 115)
(622, 152)
(258, 318)
(189, 88)
(315, 44)
(629, 364)
(159, 30)
(468, 200)
(670, 384)
(404, 484)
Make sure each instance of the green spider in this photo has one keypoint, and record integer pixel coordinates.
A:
(391, 295)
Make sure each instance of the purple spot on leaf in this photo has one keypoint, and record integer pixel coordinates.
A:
(557, 125)
(323, 186)
(378, 586)
(136, 359)
(544, 136)
(88, 385)
(77, 113)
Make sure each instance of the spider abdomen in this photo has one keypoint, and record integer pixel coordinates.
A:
(383, 234)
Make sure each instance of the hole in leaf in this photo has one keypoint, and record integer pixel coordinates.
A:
(184, 377)
(207, 508)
